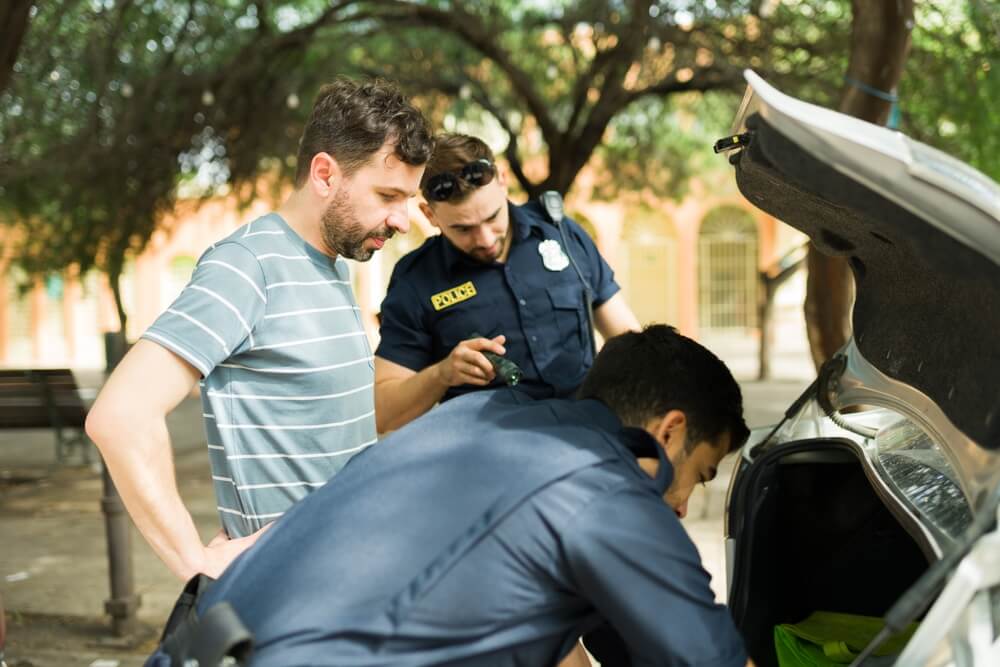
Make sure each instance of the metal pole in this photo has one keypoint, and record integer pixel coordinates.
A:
(3, 632)
(124, 602)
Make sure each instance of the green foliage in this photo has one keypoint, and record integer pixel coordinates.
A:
(658, 145)
(116, 105)
(950, 92)
(113, 104)
(568, 80)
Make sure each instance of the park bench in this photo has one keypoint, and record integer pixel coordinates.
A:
(45, 398)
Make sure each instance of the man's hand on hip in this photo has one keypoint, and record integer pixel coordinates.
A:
(221, 551)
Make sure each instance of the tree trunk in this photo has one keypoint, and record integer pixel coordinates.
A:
(13, 26)
(115, 279)
(880, 42)
(829, 297)
(765, 309)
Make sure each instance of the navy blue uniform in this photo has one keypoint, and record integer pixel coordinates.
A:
(495, 530)
(439, 296)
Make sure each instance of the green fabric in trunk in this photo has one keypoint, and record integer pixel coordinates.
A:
(828, 639)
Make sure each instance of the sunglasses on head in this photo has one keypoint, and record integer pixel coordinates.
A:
(444, 186)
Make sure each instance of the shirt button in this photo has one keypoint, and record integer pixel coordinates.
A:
(522, 302)
(534, 339)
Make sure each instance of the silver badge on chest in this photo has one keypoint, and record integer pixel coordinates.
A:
(553, 257)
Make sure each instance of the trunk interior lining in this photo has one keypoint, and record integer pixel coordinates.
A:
(822, 540)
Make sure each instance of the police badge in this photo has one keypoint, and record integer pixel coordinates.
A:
(553, 257)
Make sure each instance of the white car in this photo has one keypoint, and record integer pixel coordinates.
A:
(877, 495)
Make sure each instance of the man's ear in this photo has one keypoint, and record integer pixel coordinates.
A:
(324, 174)
(669, 430)
(428, 212)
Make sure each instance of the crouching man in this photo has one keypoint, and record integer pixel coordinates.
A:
(496, 529)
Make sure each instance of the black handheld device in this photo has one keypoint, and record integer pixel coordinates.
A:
(508, 372)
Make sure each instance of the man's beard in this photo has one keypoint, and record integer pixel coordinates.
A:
(343, 232)
(479, 254)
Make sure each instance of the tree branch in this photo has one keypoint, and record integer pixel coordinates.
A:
(612, 99)
(582, 86)
(482, 98)
(711, 78)
(467, 27)
(302, 34)
(14, 18)
(513, 159)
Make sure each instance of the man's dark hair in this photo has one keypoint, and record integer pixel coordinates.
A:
(352, 120)
(645, 375)
(451, 153)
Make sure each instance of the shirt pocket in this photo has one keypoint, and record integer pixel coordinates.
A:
(567, 307)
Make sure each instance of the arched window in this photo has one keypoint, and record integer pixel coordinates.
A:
(649, 267)
(727, 270)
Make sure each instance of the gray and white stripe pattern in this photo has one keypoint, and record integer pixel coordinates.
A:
(273, 327)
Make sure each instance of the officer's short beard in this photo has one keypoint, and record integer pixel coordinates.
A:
(500, 243)
(343, 232)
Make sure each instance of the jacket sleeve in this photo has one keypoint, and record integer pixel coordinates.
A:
(630, 557)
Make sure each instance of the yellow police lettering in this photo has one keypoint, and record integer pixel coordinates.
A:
(450, 297)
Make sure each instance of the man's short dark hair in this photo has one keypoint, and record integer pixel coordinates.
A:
(451, 153)
(642, 375)
(351, 121)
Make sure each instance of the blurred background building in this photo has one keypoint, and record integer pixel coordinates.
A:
(693, 263)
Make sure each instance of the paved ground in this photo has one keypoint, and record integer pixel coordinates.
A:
(53, 558)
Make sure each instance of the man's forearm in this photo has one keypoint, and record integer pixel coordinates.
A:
(614, 317)
(398, 402)
(139, 458)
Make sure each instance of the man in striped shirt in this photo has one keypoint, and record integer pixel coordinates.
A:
(270, 326)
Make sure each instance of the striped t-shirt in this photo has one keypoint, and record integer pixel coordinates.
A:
(272, 325)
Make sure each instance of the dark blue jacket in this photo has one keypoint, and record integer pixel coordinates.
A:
(494, 530)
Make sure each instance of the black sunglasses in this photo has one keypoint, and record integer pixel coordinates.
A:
(444, 186)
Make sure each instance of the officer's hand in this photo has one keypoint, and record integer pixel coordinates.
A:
(221, 551)
(467, 365)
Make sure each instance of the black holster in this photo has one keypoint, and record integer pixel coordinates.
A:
(209, 639)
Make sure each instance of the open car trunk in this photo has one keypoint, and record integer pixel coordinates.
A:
(821, 523)
(812, 534)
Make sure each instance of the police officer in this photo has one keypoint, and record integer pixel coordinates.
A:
(506, 273)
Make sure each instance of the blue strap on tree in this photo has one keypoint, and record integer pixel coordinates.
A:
(891, 98)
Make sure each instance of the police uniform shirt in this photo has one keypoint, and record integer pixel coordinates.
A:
(438, 296)
(495, 530)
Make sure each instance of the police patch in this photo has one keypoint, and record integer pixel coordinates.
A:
(450, 297)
